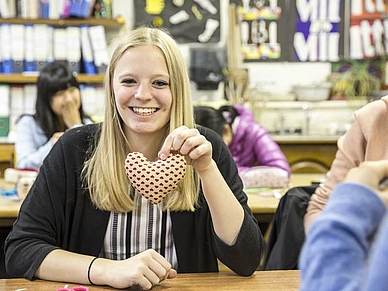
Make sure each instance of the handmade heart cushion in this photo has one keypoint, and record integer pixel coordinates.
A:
(154, 180)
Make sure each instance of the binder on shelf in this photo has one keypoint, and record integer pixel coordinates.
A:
(29, 95)
(29, 55)
(17, 48)
(55, 9)
(60, 45)
(99, 47)
(4, 99)
(17, 99)
(80, 8)
(87, 53)
(42, 44)
(44, 8)
(66, 8)
(73, 51)
(7, 8)
(5, 37)
(50, 44)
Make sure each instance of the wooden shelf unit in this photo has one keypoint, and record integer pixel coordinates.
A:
(109, 23)
(26, 79)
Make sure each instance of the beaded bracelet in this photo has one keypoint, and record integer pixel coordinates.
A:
(90, 266)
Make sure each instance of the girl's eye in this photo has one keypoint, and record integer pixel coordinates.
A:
(128, 81)
(160, 83)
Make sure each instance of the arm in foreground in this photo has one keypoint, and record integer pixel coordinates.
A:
(336, 250)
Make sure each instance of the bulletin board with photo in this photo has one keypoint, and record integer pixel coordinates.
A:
(188, 21)
(263, 29)
(291, 30)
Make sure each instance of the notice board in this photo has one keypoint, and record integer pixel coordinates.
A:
(189, 21)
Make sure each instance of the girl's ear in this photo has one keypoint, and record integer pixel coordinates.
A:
(227, 134)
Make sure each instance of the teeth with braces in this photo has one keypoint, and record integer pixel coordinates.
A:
(144, 111)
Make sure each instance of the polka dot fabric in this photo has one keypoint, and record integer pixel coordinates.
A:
(155, 180)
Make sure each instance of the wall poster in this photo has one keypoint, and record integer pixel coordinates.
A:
(263, 29)
(188, 21)
(368, 35)
(318, 30)
(291, 30)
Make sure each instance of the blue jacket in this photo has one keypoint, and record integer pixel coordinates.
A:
(342, 250)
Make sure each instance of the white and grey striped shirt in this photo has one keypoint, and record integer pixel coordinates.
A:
(147, 227)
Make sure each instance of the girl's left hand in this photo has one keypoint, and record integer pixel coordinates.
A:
(196, 149)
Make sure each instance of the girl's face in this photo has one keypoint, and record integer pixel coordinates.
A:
(61, 98)
(141, 86)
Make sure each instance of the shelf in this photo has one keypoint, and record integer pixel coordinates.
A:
(315, 104)
(25, 79)
(111, 23)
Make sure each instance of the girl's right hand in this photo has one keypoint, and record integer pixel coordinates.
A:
(146, 270)
(370, 173)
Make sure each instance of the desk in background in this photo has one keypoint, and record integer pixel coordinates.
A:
(261, 280)
(263, 207)
(9, 209)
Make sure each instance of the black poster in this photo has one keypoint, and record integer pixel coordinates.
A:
(188, 21)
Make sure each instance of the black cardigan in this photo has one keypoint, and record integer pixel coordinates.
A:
(58, 213)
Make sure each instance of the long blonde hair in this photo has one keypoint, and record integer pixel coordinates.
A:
(104, 171)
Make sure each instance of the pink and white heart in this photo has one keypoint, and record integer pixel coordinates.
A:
(154, 180)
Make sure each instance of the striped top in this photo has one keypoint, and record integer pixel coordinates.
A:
(147, 227)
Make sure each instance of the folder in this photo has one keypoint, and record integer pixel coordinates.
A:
(5, 37)
(87, 53)
(66, 8)
(99, 47)
(42, 43)
(73, 50)
(44, 8)
(7, 8)
(55, 8)
(29, 55)
(17, 48)
(30, 91)
(80, 8)
(60, 45)
(4, 99)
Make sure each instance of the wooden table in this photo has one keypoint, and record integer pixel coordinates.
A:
(261, 280)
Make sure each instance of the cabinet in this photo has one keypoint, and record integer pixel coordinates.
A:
(7, 154)
(308, 154)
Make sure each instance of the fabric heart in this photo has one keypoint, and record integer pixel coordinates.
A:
(154, 180)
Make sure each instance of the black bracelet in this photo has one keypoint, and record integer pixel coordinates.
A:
(90, 266)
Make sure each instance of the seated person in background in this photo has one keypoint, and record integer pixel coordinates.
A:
(58, 108)
(84, 221)
(346, 247)
(366, 140)
(260, 161)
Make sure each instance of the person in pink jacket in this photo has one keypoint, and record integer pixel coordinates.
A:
(366, 140)
(257, 155)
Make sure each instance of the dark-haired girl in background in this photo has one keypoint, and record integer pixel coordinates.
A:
(58, 108)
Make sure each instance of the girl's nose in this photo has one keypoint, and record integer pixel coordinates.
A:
(143, 92)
